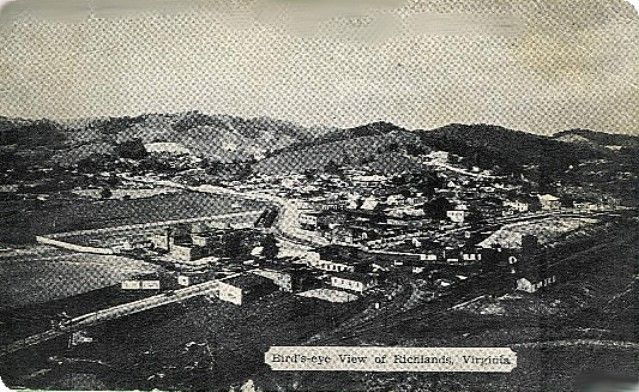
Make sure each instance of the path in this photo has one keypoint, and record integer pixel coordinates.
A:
(111, 313)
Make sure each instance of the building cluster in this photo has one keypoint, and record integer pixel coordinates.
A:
(425, 225)
(198, 245)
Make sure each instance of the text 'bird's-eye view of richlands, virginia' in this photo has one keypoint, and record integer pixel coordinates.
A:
(171, 251)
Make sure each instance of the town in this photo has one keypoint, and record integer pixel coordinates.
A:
(376, 235)
(345, 232)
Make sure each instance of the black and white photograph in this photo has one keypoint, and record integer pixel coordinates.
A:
(279, 195)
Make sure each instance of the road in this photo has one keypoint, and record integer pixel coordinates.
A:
(286, 224)
(111, 313)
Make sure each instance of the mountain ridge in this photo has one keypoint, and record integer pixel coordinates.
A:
(197, 115)
(227, 138)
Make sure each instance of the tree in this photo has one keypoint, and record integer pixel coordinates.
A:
(331, 167)
(415, 150)
(437, 208)
(94, 163)
(310, 174)
(106, 193)
(270, 248)
(131, 149)
(235, 245)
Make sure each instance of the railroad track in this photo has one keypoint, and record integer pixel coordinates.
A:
(111, 313)
(578, 343)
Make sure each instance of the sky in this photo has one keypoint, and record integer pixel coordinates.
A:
(540, 66)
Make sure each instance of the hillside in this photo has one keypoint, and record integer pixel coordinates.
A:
(598, 139)
(488, 146)
(365, 144)
(215, 137)
(280, 147)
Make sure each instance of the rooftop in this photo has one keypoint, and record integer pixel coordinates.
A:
(355, 276)
(247, 280)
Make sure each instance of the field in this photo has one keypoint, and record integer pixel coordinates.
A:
(318, 156)
(19, 224)
(547, 231)
(197, 345)
(59, 274)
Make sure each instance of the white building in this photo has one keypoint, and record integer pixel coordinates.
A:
(532, 285)
(370, 203)
(516, 205)
(428, 257)
(332, 265)
(549, 202)
(308, 220)
(368, 180)
(456, 216)
(150, 285)
(131, 285)
(354, 282)
(396, 200)
(242, 288)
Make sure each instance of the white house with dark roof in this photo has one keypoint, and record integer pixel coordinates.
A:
(531, 285)
(549, 202)
(353, 281)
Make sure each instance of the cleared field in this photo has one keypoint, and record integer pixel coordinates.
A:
(19, 225)
(547, 231)
(25, 281)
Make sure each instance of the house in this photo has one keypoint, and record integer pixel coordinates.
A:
(438, 156)
(443, 283)
(531, 284)
(308, 221)
(451, 184)
(312, 257)
(150, 285)
(396, 200)
(337, 264)
(349, 235)
(549, 202)
(208, 237)
(370, 203)
(353, 281)
(588, 206)
(428, 257)
(342, 235)
(470, 256)
(368, 181)
(161, 241)
(516, 205)
(243, 288)
(353, 203)
(187, 252)
(456, 216)
(188, 280)
(333, 205)
(288, 279)
(131, 285)
(140, 284)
